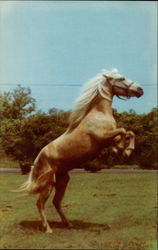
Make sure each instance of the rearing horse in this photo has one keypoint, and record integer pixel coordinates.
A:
(92, 127)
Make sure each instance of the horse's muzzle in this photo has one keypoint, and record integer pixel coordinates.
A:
(140, 92)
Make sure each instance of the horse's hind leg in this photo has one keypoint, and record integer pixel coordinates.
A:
(60, 186)
(41, 203)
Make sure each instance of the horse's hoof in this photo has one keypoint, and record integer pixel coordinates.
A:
(49, 230)
(115, 151)
(107, 227)
(127, 152)
(68, 225)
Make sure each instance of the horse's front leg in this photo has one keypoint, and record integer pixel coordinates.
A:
(121, 144)
(118, 137)
(115, 132)
(130, 137)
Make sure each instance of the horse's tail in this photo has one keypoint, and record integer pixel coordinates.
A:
(34, 184)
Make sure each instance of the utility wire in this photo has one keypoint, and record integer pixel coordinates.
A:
(56, 84)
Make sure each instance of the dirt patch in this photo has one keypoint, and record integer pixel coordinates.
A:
(6, 208)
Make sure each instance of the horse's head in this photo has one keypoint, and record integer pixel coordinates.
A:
(122, 86)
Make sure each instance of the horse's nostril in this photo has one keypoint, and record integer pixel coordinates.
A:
(140, 89)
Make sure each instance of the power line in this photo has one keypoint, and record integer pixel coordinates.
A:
(41, 84)
(57, 84)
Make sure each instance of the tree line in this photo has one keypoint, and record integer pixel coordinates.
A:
(24, 131)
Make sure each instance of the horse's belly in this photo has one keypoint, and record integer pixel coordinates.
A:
(75, 149)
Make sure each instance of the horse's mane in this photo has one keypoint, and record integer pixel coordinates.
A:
(89, 92)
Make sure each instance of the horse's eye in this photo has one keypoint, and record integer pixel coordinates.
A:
(121, 79)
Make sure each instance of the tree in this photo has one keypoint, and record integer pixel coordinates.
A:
(24, 139)
(147, 141)
(16, 104)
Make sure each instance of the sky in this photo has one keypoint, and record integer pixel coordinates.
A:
(46, 43)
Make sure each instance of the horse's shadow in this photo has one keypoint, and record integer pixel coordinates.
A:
(76, 224)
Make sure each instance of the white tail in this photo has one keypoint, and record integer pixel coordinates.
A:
(26, 186)
(35, 185)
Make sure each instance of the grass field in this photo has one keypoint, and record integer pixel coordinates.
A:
(108, 211)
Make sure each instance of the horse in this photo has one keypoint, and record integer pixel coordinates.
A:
(91, 128)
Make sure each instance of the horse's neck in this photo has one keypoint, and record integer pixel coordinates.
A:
(104, 106)
(104, 103)
(100, 104)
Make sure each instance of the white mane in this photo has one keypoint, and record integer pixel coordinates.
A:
(89, 92)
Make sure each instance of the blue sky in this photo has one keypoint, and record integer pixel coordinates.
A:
(68, 42)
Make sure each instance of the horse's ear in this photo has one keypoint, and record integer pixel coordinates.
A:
(108, 77)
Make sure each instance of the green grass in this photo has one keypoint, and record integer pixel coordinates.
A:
(93, 202)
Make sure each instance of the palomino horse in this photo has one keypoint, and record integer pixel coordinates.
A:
(92, 127)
